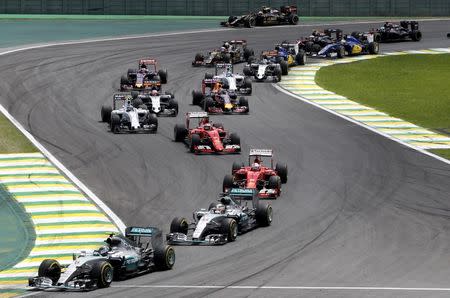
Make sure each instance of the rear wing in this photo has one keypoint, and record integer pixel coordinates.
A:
(414, 25)
(148, 61)
(192, 115)
(288, 9)
(272, 53)
(120, 100)
(244, 194)
(261, 152)
(237, 42)
(228, 67)
(141, 231)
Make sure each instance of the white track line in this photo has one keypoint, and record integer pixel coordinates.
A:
(362, 124)
(284, 288)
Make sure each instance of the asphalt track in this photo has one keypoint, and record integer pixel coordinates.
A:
(358, 209)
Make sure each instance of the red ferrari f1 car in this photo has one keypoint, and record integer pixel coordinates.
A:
(206, 137)
(267, 180)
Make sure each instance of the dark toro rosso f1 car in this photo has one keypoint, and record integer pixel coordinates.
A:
(129, 115)
(216, 99)
(266, 180)
(232, 51)
(223, 221)
(147, 77)
(121, 257)
(406, 30)
(267, 16)
(206, 137)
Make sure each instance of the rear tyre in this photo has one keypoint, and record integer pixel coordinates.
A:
(103, 272)
(106, 113)
(124, 80)
(416, 36)
(277, 74)
(293, 19)
(282, 171)
(236, 166)
(235, 139)
(50, 268)
(195, 141)
(284, 68)
(373, 48)
(209, 103)
(152, 120)
(248, 53)
(227, 182)
(199, 57)
(173, 104)
(115, 123)
(179, 225)
(163, 76)
(179, 132)
(248, 85)
(263, 214)
(247, 71)
(250, 23)
(164, 257)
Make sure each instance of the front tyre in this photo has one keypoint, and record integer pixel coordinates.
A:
(230, 229)
(164, 257)
(103, 272)
(50, 268)
(179, 225)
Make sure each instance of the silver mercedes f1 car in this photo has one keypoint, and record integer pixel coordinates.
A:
(119, 258)
(223, 221)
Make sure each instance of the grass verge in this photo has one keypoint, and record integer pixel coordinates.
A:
(414, 88)
(12, 140)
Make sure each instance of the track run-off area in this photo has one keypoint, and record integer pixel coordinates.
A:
(361, 215)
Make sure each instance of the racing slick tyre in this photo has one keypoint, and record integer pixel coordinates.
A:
(309, 46)
(152, 120)
(356, 34)
(124, 80)
(209, 103)
(227, 182)
(163, 76)
(137, 102)
(263, 214)
(284, 68)
(293, 19)
(282, 171)
(131, 71)
(199, 57)
(374, 48)
(377, 37)
(277, 74)
(197, 97)
(243, 102)
(250, 22)
(173, 104)
(230, 228)
(340, 52)
(300, 58)
(247, 71)
(179, 225)
(236, 166)
(274, 182)
(195, 141)
(134, 94)
(50, 268)
(248, 53)
(106, 113)
(227, 58)
(115, 123)
(208, 75)
(218, 125)
(235, 139)
(103, 272)
(416, 35)
(315, 48)
(164, 257)
(179, 132)
(248, 85)
(231, 19)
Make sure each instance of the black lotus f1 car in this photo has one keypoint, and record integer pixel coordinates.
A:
(267, 16)
(406, 30)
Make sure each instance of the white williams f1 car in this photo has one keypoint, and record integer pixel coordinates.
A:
(230, 81)
(125, 117)
(263, 70)
(221, 223)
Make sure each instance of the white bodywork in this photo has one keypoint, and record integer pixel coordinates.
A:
(156, 104)
(261, 73)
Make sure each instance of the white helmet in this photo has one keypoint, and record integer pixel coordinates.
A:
(256, 166)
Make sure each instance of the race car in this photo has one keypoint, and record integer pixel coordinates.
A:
(264, 69)
(147, 77)
(124, 116)
(231, 81)
(121, 257)
(214, 99)
(273, 56)
(406, 30)
(360, 44)
(318, 40)
(264, 179)
(232, 51)
(289, 52)
(267, 16)
(222, 222)
(206, 137)
(158, 103)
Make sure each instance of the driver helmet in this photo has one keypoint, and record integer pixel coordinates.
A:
(256, 166)
(220, 209)
(143, 66)
(226, 45)
(223, 49)
(129, 105)
(103, 250)
(154, 92)
(207, 126)
(266, 9)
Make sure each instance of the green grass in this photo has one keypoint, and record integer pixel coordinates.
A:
(445, 153)
(414, 88)
(12, 140)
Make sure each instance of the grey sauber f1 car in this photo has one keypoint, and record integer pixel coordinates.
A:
(263, 70)
(223, 221)
(140, 251)
(124, 116)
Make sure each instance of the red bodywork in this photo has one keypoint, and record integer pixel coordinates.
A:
(248, 178)
(212, 141)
